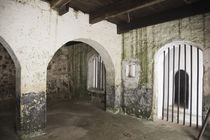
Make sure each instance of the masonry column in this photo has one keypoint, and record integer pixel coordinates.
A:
(32, 99)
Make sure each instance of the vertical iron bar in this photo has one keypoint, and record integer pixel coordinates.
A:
(185, 84)
(178, 85)
(163, 84)
(99, 71)
(191, 65)
(197, 85)
(105, 88)
(95, 70)
(102, 76)
(101, 86)
(168, 81)
(173, 84)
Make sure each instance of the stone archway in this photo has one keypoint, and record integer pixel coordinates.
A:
(110, 71)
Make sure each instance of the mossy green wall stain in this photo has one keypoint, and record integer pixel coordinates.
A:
(132, 47)
(204, 33)
(137, 43)
(137, 49)
(123, 45)
(143, 59)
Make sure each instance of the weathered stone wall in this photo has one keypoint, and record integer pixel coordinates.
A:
(7, 75)
(67, 72)
(143, 43)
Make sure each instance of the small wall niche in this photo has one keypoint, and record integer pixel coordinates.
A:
(131, 70)
(131, 73)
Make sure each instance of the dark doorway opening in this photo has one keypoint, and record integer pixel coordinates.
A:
(183, 77)
(7, 95)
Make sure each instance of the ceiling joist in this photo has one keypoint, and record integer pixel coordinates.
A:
(172, 14)
(58, 4)
(119, 8)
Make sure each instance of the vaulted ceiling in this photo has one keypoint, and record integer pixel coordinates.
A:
(132, 14)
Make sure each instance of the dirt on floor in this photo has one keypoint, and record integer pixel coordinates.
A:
(83, 121)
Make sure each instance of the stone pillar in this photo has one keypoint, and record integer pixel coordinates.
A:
(32, 115)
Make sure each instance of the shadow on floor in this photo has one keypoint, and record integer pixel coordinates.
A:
(7, 120)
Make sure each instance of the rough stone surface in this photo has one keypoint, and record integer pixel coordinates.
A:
(110, 97)
(7, 75)
(33, 114)
(98, 99)
(138, 102)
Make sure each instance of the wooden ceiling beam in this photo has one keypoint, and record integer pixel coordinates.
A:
(64, 9)
(58, 4)
(172, 14)
(119, 8)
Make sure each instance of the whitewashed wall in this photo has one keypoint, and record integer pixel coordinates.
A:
(35, 32)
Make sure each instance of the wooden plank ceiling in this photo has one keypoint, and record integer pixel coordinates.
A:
(132, 14)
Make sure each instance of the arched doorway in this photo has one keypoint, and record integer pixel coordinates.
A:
(76, 71)
(9, 91)
(178, 83)
(107, 64)
(80, 81)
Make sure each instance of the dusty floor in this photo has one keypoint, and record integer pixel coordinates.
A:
(83, 121)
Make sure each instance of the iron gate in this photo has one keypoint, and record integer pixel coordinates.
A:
(182, 84)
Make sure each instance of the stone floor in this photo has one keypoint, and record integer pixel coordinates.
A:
(83, 121)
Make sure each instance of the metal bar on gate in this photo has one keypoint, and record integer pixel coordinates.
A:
(168, 81)
(197, 86)
(191, 65)
(163, 84)
(178, 85)
(105, 94)
(102, 76)
(95, 71)
(185, 83)
(173, 84)
(99, 71)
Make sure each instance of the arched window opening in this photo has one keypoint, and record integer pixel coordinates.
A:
(96, 73)
(184, 87)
